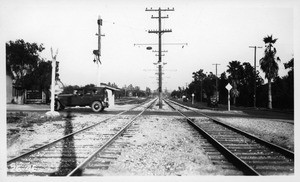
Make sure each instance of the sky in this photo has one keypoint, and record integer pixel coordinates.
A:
(215, 32)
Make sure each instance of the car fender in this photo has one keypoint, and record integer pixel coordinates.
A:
(96, 100)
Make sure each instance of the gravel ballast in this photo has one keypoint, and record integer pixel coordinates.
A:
(160, 145)
(275, 131)
(163, 146)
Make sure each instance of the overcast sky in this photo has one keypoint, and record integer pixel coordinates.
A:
(216, 32)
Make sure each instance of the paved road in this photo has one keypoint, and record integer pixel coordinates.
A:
(27, 107)
(248, 113)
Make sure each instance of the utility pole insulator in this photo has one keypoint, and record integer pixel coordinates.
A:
(159, 31)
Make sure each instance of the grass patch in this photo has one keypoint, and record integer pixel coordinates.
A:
(27, 119)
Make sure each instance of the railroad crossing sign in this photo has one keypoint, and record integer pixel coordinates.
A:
(228, 87)
(52, 112)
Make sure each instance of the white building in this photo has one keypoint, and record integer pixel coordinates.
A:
(110, 93)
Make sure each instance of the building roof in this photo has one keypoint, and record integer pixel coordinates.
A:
(103, 85)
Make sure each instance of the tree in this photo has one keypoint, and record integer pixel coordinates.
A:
(70, 89)
(290, 65)
(246, 85)
(269, 65)
(130, 87)
(40, 77)
(22, 58)
(223, 93)
(289, 80)
(148, 91)
(89, 87)
(209, 85)
(235, 70)
(198, 76)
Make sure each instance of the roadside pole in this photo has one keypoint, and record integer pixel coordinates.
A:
(228, 100)
(228, 87)
(193, 98)
(53, 113)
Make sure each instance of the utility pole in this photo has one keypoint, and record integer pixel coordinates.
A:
(254, 92)
(201, 90)
(159, 32)
(217, 92)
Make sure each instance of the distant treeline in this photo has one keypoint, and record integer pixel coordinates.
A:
(242, 95)
(126, 91)
(278, 92)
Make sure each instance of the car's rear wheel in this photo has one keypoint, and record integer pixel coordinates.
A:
(97, 106)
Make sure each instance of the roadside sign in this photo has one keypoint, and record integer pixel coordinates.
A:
(228, 87)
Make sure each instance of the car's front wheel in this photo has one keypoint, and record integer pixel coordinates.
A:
(97, 106)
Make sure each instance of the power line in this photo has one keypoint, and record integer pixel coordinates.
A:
(123, 24)
(146, 44)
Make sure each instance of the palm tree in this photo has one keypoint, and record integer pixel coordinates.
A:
(235, 70)
(269, 65)
(199, 76)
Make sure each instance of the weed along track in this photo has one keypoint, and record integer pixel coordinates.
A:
(69, 155)
(249, 154)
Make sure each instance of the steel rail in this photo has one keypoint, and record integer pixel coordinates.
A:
(287, 153)
(248, 170)
(77, 171)
(71, 134)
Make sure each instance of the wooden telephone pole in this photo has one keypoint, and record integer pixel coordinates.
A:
(217, 92)
(254, 91)
(159, 32)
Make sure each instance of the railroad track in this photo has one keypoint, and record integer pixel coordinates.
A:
(248, 153)
(69, 155)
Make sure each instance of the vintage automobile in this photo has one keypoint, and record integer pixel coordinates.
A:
(96, 98)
